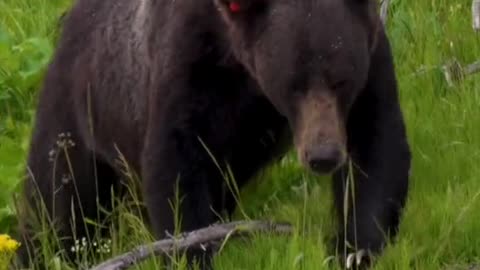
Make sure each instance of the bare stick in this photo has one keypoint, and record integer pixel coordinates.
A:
(192, 239)
(384, 11)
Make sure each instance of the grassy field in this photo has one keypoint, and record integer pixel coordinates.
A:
(441, 225)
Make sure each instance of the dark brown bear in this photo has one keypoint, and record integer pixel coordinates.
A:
(159, 80)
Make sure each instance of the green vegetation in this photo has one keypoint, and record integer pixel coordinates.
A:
(26, 44)
(441, 225)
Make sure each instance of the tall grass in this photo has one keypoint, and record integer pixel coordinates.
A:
(441, 225)
(27, 30)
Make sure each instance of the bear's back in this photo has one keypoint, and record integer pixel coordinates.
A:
(104, 62)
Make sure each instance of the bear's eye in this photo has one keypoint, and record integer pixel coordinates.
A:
(299, 85)
(338, 85)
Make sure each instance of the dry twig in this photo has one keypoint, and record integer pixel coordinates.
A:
(192, 239)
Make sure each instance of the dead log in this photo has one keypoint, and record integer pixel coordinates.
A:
(216, 232)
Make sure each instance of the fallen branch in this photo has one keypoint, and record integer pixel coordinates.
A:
(454, 72)
(191, 239)
(384, 11)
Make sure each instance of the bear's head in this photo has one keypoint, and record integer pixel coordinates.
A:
(310, 58)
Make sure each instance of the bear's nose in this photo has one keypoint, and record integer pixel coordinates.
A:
(324, 158)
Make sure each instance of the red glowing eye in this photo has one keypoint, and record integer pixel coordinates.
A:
(234, 7)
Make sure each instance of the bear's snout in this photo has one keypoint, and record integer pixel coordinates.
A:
(324, 158)
(319, 132)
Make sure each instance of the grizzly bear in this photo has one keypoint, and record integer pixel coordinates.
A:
(171, 84)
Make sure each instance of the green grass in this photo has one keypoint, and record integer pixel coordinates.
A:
(441, 224)
(26, 46)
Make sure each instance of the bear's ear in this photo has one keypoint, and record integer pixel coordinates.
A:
(232, 10)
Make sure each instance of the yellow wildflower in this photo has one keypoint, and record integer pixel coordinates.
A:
(7, 244)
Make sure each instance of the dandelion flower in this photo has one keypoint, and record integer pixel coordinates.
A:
(8, 246)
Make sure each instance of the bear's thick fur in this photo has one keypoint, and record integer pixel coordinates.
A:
(160, 81)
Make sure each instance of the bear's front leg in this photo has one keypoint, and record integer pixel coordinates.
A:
(178, 172)
(380, 163)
